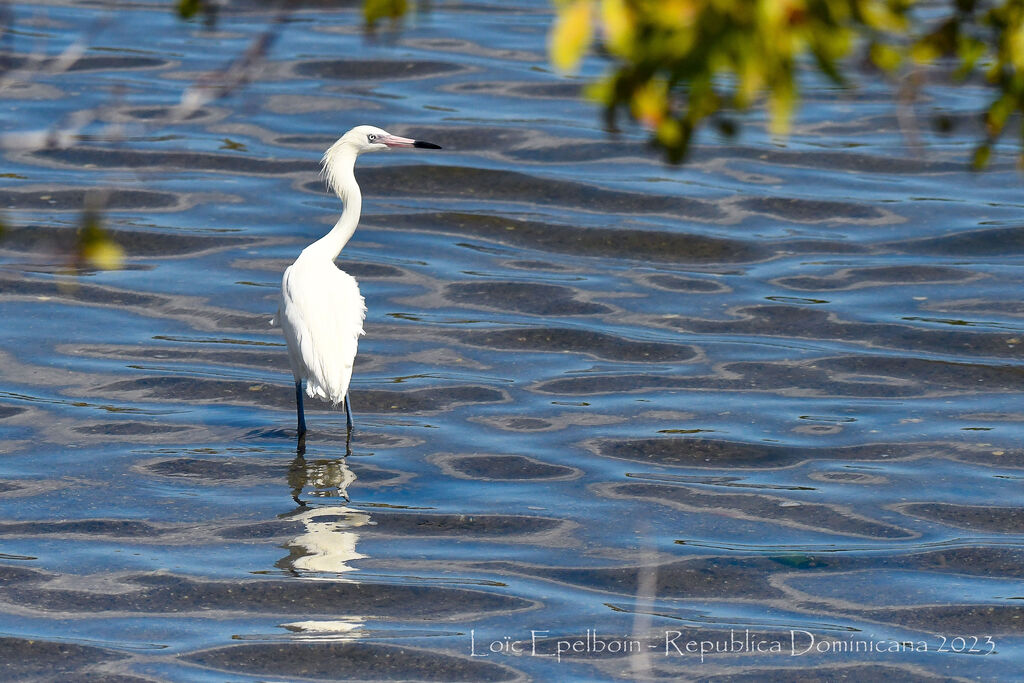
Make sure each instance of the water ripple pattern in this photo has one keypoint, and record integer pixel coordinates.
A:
(754, 418)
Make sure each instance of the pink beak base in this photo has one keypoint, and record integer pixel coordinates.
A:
(395, 141)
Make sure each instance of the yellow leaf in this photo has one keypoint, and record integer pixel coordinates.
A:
(1015, 43)
(924, 52)
(780, 104)
(881, 16)
(650, 102)
(618, 22)
(104, 254)
(670, 133)
(886, 57)
(570, 36)
(602, 91)
(997, 114)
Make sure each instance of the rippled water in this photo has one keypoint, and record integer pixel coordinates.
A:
(605, 408)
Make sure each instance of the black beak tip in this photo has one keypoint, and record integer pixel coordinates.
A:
(425, 145)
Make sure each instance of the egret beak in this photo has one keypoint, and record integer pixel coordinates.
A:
(395, 141)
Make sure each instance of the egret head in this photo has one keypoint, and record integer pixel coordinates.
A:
(372, 139)
(341, 156)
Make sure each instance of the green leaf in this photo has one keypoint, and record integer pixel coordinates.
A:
(981, 156)
(189, 8)
(375, 10)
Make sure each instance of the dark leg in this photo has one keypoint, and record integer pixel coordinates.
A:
(297, 473)
(348, 413)
(298, 408)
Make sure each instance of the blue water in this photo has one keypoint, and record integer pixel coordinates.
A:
(605, 408)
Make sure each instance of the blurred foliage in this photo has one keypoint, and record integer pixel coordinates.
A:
(676, 64)
(375, 10)
(96, 249)
(188, 9)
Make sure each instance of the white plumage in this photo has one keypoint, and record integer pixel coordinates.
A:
(322, 331)
(321, 310)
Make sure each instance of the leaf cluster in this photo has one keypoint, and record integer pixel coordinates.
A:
(679, 64)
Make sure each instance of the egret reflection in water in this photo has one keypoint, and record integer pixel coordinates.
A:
(328, 542)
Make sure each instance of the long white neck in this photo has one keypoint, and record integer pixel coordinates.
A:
(339, 170)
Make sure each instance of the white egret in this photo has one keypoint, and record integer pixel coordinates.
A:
(321, 310)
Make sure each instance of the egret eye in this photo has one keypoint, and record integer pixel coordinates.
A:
(371, 137)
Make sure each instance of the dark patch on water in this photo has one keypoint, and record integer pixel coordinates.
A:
(374, 271)
(467, 526)
(973, 561)
(558, 91)
(761, 508)
(425, 400)
(511, 186)
(719, 454)
(856, 278)
(374, 69)
(119, 62)
(829, 161)
(697, 452)
(1001, 620)
(577, 341)
(81, 291)
(996, 520)
(579, 151)
(524, 297)
(942, 375)
(136, 243)
(813, 210)
(174, 389)
(809, 246)
(718, 577)
(522, 424)
(262, 531)
(466, 138)
(235, 163)
(23, 659)
(217, 470)
(852, 376)
(998, 308)
(158, 113)
(198, 356)
(54, 199)
(9, 411)
(500, 468)
(986, 242)
(803, 322)
(10, 575)
(362, 661)
(88, 527)
(677, 283)
(129, 429)
(173, 594)
(645, 245)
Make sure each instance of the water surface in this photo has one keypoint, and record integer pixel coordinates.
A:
(771, 397)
